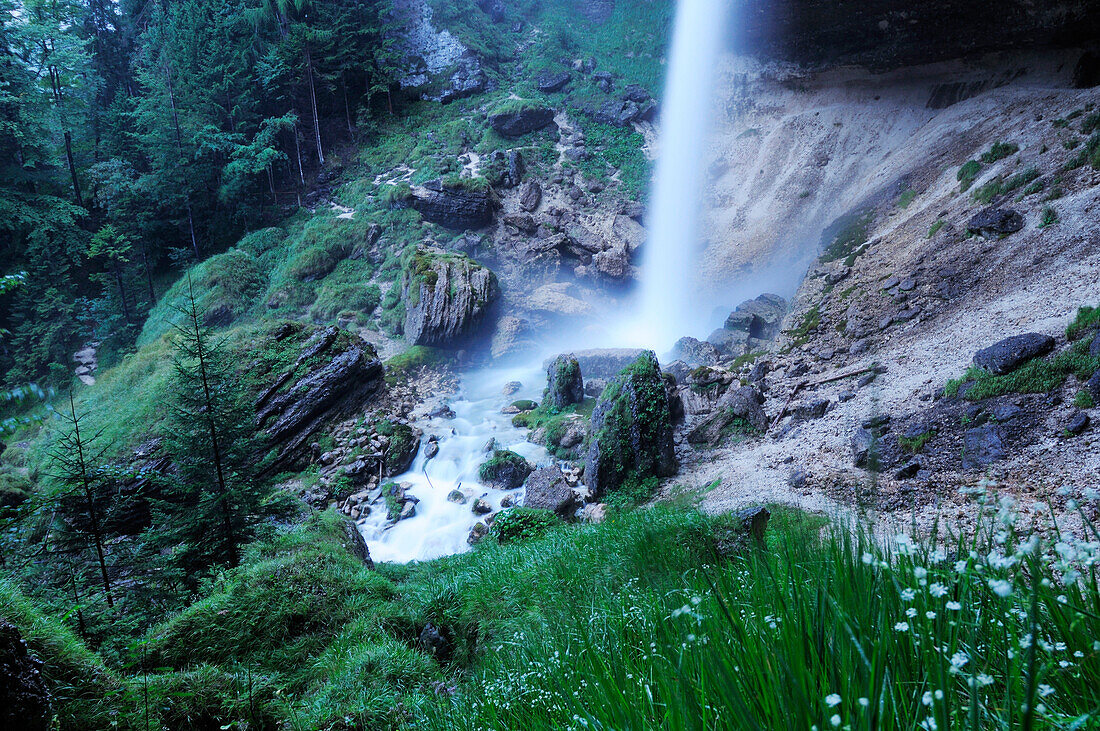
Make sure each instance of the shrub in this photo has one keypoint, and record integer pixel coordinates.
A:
(317, 261)
(999, 151)
(967, 174)
(1087, 320)
(521, 524)
(1049, 217)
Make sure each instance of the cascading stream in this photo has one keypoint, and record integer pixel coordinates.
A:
(662, 313)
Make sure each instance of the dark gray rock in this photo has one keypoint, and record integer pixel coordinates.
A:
(504, 169)
(631, 428)
(481, 506)
(25, 702)
(1094, 346)
(513, 124)
(564, 385)
(551, 82)
(636, 93)
(812, 409)
(466, 81)
(355, 543)
(547, 489)
(729, 342)
(1093, 386)
(1011, 353)
(760, 317)
(908, 470)
(1078, 422)
(862, 442)
(446, 296)
(695, 352)
(433, 643)
(454, 207)
(505, 470)
(994, 222)
(738, 410)
(479, 531)
(982, 446)
(456, 496)
(530, 195)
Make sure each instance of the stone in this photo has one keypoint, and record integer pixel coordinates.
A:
(636, 93)
(1078, 422)
(605, 363)
(505, 470)
(740, 409)
(355, 543)
(25, 702)
(629, 231)
(522, 222)
(995, 222)
(862, 441)
(530, 195)
(1009, 354)
(519, 122)
(446, 296)
(467, 80)
(504, 169)
(1093, 386)
(729, 342)
(431, 449)
(695, 352)
(594, 513)
(812, 409)
(481, 506)
(564, 385)
(479, 531)
(797, 479)
(982, 446)
(547, 489)
(433, 643)
(1094, 346)
(551, 82)
(631, 428)
(908, 470)
(453, 206)
(760, 317)
(456, 496)
(511, 388)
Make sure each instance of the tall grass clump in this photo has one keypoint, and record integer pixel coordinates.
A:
(831, 630)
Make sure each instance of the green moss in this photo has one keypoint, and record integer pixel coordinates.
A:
(806, 325)
(935, 227)
(522, 524)
(1040, 375)
(1086, 321)
(1083, 400)
(337, 298)
(906, 198)
(999, 151)
(915, 444)
(525, 405)
(418, 356)
(967, 174)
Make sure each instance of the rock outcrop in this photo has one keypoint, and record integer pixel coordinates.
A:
(24, 699)
(446, 296)
(514, 123)
(564, 385)
(739, 412)
(505, 470)
(333, 376)
(454, 206)
(752, 323)
(547, 490)
(631, 429)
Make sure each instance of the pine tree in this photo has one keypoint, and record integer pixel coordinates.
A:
(216, 503)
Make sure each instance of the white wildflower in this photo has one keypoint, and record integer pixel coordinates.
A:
(832, 700)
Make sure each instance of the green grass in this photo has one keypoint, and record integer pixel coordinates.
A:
(850, 239)
(935, 227)
(906, 198)
(999, 151)
(615, 148)
(404, 364)
(522, 524)
(1083, 400)
(967, 174)
(914, 445)
(1040, 375)
(1086, 321)
(809, 322)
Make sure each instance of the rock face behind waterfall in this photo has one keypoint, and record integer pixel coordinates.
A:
(446, 296)
(631, 429)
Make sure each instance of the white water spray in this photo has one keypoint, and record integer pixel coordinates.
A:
(667, 308)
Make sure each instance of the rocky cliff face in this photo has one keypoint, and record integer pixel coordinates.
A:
(446, 295)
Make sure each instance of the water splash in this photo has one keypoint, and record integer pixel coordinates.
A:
(667, 307)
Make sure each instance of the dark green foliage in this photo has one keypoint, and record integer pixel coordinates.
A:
(1049, 217)
(525, 405)
(1083, 400)
(521, 524)
(935, 227)
(1089, 154)
(999, 151)
(402, 441)
(337, 298)
(616, 149)
(967, 174)
(1039, 375)
(906, 198)
(915, 444)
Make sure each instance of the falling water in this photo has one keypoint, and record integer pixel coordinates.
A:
(670, 263)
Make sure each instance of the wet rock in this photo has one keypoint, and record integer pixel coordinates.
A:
(695, 352)
(862, 442)
(760, 317)
(456, 496)
(442, 412)
(511, 388)
(1012, 352)
(1078, 422)
(631, 428)
(481, 506)
(739, 411)
(995, 222)
(505, 470)
(479, 531)
(505, 169)
(452, 206)
(629, 231)
(564, 385)
(518, 122)
(908, 470)
(467, 80)
(507, 501)
(547, 489)
(446, 296)
(25, 702)
(356, 544)
(551, 82)
(431, 449)
(605, 362)
(982, 446)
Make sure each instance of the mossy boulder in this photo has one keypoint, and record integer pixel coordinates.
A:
(505, 470)
(631, 429)
(446, 296)
(564, 385)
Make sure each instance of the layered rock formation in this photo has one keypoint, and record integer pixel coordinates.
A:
(446, 295)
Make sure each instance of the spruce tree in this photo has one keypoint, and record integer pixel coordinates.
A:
(215, 503)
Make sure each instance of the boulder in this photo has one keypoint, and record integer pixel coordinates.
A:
(737, 411)
(454, 206)
(433, 643)
(333, 376)
(564, 385)
(636, 93)
(729, 342)
(530, 195)
(551, 82)
(25, 702)
(994, 222)
(481, 506)
(695, 352)
(505, 470)
(523, 120)
(606, 362)
(446, 296)
(1093, 386)
(629, 231)
(1094, 346)
(982, 446)
(547, 489)
(631, 429)
(760, 318)
(1078, 422)
(505, 169)
(1012, 352)
(479, 531)
(862, 442)
(355, 543)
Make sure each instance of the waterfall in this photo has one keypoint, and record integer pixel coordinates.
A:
(666, 308)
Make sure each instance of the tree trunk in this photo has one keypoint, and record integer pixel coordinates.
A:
(148, 274)
(313, 106)
(179, 149)
(72, 167)
(93, 511)
(347, 109)
(122, 293)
